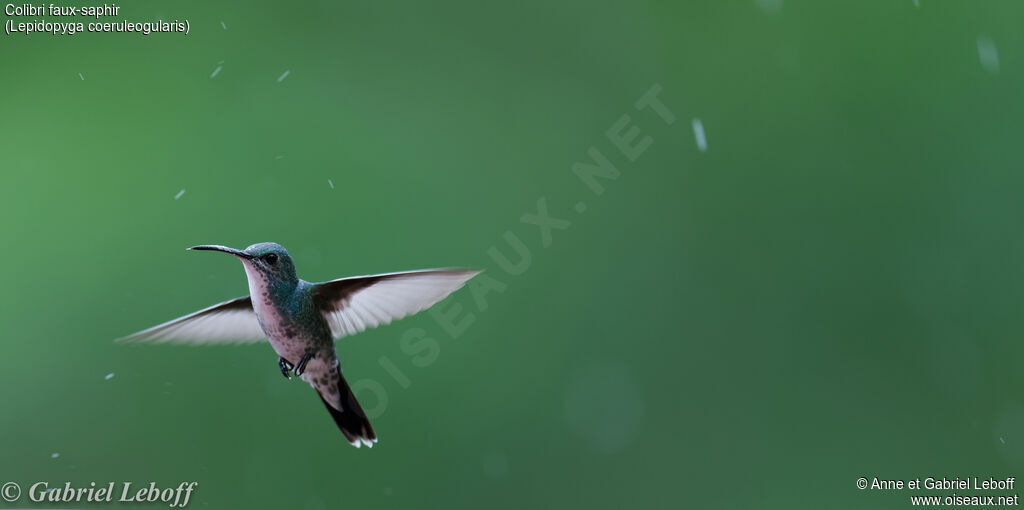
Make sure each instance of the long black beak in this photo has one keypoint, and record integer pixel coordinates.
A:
(216, 247)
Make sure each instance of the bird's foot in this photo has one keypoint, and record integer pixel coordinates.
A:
(300, 367)
(286, 367)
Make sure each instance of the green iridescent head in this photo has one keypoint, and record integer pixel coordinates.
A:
(267, 259)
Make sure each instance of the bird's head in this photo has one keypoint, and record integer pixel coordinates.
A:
(267, 260)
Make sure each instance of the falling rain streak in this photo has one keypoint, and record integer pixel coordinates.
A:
(698, 134)
(988, 54)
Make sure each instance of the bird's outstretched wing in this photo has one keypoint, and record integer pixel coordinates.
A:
(228, 322)
(354, 304)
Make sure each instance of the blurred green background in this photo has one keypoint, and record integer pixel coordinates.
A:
(832, 290)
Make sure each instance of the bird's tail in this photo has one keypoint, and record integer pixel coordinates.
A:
(350, 418)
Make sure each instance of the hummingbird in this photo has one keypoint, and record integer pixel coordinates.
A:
(301, 320)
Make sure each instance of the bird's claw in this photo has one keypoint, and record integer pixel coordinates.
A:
(300, 367)
(286, 367)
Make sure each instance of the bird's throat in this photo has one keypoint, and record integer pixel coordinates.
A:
(267, 294)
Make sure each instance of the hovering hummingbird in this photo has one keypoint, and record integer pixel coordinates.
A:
(302, 319)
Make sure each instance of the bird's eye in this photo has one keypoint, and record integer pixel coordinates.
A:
(271, 258)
